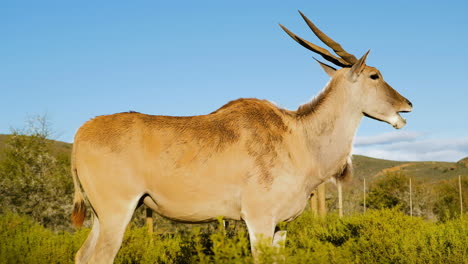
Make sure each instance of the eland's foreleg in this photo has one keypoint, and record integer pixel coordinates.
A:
(261, 230)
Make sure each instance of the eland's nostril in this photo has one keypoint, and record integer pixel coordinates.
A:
(408, 101)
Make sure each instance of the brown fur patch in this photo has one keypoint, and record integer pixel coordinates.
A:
(266, 129)
(78, 213)
(214, 132)
(264, 123)
(312, 106)
(260, 122)
(107, 130)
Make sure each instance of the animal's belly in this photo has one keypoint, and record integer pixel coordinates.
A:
(194, 210)
(200, 191)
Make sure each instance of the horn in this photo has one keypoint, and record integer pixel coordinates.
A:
(323, 52)
(330, 42)
(345, 60)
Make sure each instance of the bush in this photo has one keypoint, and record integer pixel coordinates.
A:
(25, 241)
(392, 190)
(380, 236)
(34, 181)
(447, 199)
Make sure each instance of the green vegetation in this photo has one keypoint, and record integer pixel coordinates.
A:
(35, 179)
(391, 179)
(380, 236)
(447, 200)
(25, 241)
(393, 191)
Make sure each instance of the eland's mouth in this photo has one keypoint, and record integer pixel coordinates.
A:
(397, 121)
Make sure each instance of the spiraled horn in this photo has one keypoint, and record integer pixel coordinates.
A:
(323, 52)
(330, 42)
(345, 59)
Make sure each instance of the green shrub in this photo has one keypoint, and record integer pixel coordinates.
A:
(139, 247)
(379, 236)
(34, 180)
(447, 199)
(233, 248)
(25, 241)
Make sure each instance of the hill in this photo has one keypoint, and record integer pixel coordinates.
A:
(59, 148)
(3, 139)
(427, 171)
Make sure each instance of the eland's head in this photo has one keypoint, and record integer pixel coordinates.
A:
(373, 96)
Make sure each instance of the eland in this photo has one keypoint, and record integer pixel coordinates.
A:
(249, 160)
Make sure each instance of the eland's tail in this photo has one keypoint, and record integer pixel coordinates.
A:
(79, 206)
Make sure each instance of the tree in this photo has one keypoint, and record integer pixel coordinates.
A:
(392, 190)
(34, 181)
(447, 201)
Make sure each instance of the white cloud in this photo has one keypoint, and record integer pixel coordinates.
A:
(412, 146)
(387, 138)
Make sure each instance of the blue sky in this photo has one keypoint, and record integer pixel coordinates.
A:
(76, 60)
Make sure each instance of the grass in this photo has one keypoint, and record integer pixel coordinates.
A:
(383, 236)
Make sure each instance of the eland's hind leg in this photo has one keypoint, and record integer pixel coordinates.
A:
(83, 255)
(113, 220)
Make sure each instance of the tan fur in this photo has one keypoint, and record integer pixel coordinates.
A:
(248, 160)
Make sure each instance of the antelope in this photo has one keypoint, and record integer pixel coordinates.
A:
(249, 160)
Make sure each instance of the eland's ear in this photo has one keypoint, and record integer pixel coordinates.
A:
(358, 67)
(327, 68)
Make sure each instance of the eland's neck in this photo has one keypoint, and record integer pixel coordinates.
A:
(329, 123)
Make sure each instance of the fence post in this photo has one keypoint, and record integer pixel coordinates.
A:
(322, 207)
(364, 189)
(314, 203)
(410, 198)
(340, 198)
(461, 196)
(149, 220)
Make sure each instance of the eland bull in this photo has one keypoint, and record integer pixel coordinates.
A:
(248, 160)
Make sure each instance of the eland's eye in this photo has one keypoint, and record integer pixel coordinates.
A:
(374, 76)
